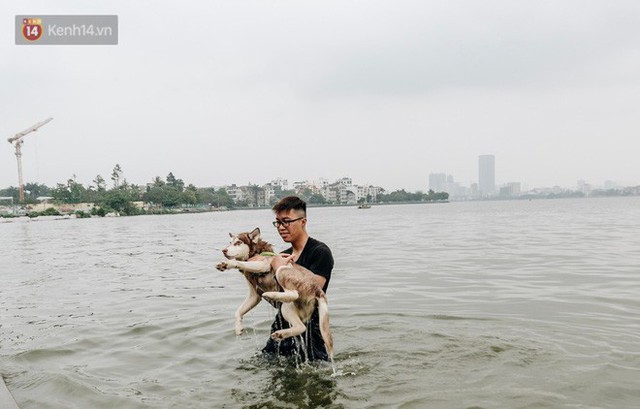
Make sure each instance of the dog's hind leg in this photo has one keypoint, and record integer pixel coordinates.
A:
(325, 329)
(287, 294)
(282, 296)
(251, 301)
(290, 313)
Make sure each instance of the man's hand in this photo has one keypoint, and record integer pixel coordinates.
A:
(280, 260)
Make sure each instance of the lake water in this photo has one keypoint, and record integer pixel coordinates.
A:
(506, 304)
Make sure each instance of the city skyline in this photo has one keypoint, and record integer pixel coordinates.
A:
(238, 92)
(486, 186)
(436, 181)
(486, 175)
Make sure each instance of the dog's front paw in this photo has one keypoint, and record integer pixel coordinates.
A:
(278, 335)
(239, 328)
(227, 265)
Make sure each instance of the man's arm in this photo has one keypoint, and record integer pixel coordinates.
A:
(321, 265)
(319, 280)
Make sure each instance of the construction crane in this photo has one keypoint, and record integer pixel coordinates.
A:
(17, 141)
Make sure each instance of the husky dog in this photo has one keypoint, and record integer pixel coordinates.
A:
(291, 287)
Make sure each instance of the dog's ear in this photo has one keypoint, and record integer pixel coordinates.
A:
(255, 235)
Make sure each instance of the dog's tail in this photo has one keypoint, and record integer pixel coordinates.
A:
(325, 330)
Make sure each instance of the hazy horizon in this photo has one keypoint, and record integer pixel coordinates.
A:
(524, 186)
(382, 92)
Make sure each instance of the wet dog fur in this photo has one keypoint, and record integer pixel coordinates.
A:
(291, 286)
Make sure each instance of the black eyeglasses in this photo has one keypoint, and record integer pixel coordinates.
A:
(285, 223)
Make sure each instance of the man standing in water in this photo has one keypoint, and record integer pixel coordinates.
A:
(291, 222)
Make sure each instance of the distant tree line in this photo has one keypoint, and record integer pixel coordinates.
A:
(158, 194)
(404, 196)
(167, 194)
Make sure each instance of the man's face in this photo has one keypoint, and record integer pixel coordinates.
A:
(290, 224)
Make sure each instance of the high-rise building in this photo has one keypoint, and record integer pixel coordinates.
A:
(486, 175)
(437, 181)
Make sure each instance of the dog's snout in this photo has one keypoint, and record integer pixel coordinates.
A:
(224, 251)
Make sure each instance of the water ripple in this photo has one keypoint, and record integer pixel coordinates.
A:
(461, 305)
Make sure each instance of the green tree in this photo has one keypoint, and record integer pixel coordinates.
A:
(177, 184)
(216, 198)
(171, 197)
(158, 182)
(290, 192)
(34, 190)
(317, 199)
(403, 196)
(100, 183)
(71, 192)
(116, 175)
(154, 195)
(222, 199)
(120, 201)
(206, 195)
(135, 192)
(190, 195)
(77, 191)
(97, 194)
(255, 191)
(61, 193)
(10, 192)
(442, 196)
(163, 194)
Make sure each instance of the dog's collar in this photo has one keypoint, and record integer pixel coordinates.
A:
(267, 254)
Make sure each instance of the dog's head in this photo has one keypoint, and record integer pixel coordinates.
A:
(243, 246)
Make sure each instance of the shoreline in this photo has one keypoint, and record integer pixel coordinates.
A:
(5, 218)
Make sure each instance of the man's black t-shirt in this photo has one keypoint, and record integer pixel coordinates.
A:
(316, 256)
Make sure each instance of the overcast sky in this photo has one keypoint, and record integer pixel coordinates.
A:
(384, 92)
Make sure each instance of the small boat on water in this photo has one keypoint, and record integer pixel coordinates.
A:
(364, 206)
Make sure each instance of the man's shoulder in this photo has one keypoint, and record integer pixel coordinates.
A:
(317, 257)
(314, 244)
(316, 247)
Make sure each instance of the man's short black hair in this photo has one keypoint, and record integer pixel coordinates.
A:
(290, 203)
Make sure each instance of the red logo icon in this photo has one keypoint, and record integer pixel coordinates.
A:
(32, 28)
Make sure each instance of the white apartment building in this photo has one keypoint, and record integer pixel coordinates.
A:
(235, 192)
(282, 183)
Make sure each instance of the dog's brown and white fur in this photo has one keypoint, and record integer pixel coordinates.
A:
(291, 286)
